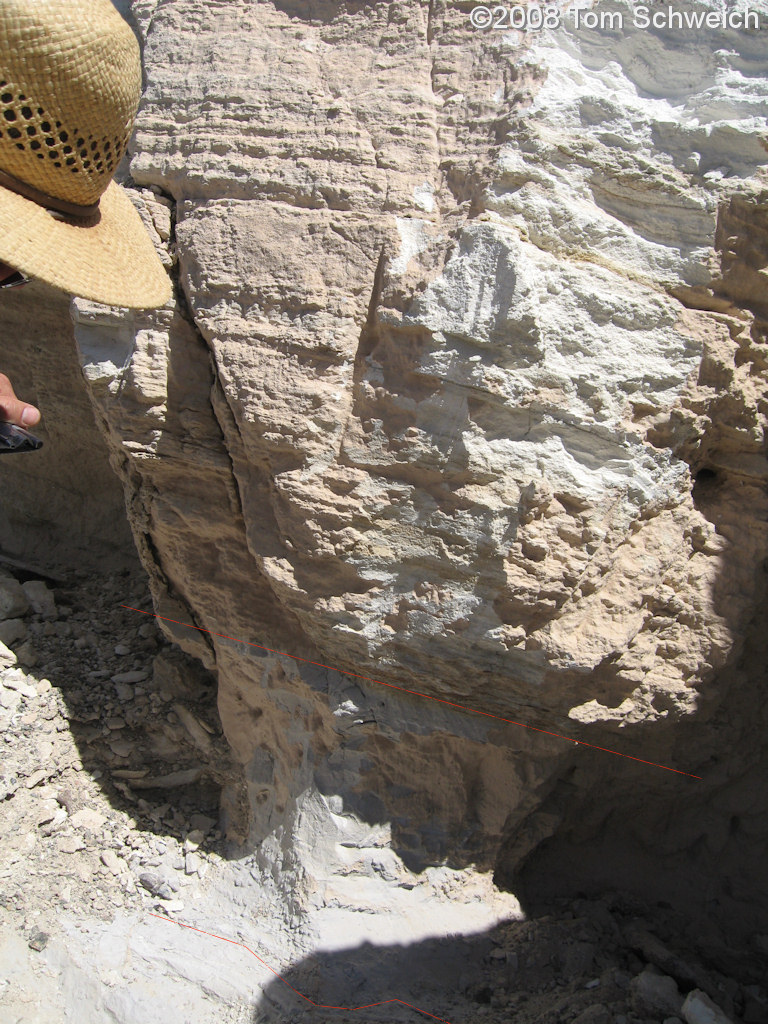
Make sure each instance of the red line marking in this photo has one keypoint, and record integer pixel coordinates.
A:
(416, 693)
(319, 1006)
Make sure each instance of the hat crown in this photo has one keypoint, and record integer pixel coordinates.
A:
(70, 81)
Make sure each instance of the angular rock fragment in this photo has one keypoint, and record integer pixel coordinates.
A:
(192, 863)
(36, 778)
(698, 1008)
(40, 598)
(655, 952)
(27, 655)
(71, 844)
(201, 823)
(13, 600)
(38, 940)
(193, 727)
(156, 885)
(134, 676)
(181, 778)
(7, 657)
(655, 994)
(111, 861)
(121, 747)
(89, 819)
(12, 630)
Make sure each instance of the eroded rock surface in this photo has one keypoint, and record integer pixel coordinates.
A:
(459, 314)
(62, 505)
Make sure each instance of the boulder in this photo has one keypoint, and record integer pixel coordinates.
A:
(12, 630)
(13, 600)
(40, 598)
(655, 993)
(698, 1008)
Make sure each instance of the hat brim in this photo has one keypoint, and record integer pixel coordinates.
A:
(112, 261)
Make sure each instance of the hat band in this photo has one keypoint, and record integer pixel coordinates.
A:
(85, 214)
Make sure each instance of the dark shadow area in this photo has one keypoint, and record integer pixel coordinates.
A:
(698, 844)
(578, 962)
(61, 506)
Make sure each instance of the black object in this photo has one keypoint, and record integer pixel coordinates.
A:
(17, 439)
(15, 280)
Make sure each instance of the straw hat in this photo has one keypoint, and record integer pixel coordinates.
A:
(70, 81)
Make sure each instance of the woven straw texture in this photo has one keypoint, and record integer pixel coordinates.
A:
(70, 81)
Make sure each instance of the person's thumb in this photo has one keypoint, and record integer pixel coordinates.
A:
(29, 415)
(20, 413)
(14, 411)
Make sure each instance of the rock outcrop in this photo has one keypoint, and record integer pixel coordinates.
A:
(62, 507)
(462, 391)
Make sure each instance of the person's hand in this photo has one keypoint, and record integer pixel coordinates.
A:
(14, 411)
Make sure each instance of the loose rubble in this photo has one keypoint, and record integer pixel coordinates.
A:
(111, 779)
(101, 781)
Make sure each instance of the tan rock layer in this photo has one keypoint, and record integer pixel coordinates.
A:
(425, 412)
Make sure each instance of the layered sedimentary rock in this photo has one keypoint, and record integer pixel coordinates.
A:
(460, 317)
(62, 506)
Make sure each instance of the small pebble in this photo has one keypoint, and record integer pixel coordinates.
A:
(111, 861)
(15, 679)
(35, 778)
(121, 748)
(38, 940)
(71, 844)
(156, 885)
(89, 819)
(195, 837)
(46, 812)
(192, 864)
(135, 676)
(201, 823)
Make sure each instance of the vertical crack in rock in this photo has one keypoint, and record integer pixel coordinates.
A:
(430, 21)
(473, 474)
(369, 333)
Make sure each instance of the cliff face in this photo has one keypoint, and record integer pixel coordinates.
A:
(463, 391)
(63, 508)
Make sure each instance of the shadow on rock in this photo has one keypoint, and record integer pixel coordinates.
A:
(588, 961)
